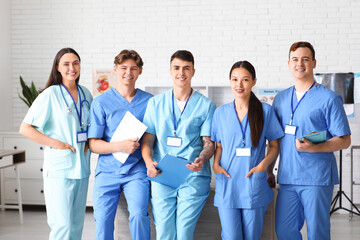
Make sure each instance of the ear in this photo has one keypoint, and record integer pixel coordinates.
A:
(115, 67)
(193, 73)
(314, 63)
(140, 72)
(255, 79)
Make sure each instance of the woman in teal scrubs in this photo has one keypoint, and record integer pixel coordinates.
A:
(61, 112)
(240, 130)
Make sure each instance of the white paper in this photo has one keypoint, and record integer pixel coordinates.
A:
(129, 127)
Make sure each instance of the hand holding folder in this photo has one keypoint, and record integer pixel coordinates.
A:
(315, 137)
(174, 171)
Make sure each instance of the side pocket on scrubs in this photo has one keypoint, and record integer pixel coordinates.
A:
(60, 158)
(219, 188)
(258, 182)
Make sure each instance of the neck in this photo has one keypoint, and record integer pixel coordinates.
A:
(128, 92)
(70, 85)
(303, 85)
(242, 104)
(182, 94)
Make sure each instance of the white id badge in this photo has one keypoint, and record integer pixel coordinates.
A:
(290, 129)
(82, 136)
(173, 141)
(243, 152)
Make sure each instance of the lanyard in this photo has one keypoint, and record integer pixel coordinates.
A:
(77, 111)
(292, 106)
(177, 123)
(243, 130)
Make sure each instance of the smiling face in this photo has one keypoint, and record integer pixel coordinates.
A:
(69, 67)
(241, 83)
(127, 72)
(301, 64)
(181, 73)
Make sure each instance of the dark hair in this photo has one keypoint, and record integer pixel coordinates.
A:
(183, 55)
(297, 45)
(255, 112)
(55, 76)
(129, 54)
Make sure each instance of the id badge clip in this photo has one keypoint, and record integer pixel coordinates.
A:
(289, 129)
(81, 136)
(243, 152)
(173, 141)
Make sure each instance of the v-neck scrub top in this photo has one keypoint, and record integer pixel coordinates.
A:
(238, 191)
(49, 113)
(107, 111)
(195, 123)
(321, 109)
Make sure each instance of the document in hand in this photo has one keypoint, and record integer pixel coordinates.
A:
(129, 127)
(315, 137)
(174, 171)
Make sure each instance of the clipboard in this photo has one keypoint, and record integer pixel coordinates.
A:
(174, 171)
(315, 137)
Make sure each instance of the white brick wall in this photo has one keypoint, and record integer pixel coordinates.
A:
(217, 32)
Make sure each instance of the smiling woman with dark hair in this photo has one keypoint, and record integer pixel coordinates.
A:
(61, 111)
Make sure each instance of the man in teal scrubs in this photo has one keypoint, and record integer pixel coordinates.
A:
(179, 124)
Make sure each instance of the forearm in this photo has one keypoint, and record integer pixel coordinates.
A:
(332, 145)
(217, 155)
(31, 133)
(208, 149)
(147, 148)
(273, 151)
(100, 146)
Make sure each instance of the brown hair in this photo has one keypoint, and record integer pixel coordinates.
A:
(128, 54)
(55, 77)
(297, 45)
(184, 55)
(255, 112)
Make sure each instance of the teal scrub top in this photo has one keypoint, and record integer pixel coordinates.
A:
(49, 114)
(195, 123)
(321, 109)
(254, 191)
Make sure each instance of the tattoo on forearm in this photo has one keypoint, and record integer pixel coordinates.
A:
(208, 149)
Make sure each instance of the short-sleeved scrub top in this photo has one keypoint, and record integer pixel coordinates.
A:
(238, 191)
(321, 109)
(107, 111)
(49, 114)
(195, 123)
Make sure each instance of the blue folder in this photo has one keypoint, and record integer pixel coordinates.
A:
(315, 137)
(173, 171)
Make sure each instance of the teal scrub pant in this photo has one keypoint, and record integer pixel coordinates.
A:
(241, 223)
(107, 190)
(176, 211)
(65, 201)
(296, 203)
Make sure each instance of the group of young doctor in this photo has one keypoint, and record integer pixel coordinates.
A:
(182, 122)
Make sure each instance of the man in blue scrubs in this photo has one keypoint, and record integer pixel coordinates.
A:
(113, 177)
(307, 172)
(179, 124)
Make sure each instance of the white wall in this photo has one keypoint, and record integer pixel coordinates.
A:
(217, 32)
(6, 123)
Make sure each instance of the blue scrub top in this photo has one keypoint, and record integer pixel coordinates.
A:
(107, 111)
(195, 123)
(49, 113)
(321, 109)
(238, 191)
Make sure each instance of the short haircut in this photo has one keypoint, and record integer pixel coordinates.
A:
(183, 55)
(297, 45)
(128, 54)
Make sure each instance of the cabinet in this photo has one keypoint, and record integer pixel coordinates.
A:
(31, 172)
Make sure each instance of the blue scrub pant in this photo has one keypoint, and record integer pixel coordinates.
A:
(176, 211)
(107, 190)
(296, 203)
(65, 201)
(241, 223)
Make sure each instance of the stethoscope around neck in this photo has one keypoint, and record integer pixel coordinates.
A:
(68, 108)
